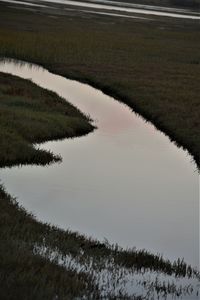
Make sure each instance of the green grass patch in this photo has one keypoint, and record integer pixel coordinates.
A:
(29, 115)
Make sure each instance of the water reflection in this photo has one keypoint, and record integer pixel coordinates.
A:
(117, 282)
(119, 7)
(125, 181)
(122, 8)
(23, 3)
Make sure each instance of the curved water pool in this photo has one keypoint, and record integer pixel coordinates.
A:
(125, 181)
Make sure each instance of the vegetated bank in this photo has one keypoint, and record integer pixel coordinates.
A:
(31, 115)
(153, 66)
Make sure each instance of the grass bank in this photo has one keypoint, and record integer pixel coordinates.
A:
(27, 274)
(29, 115)
(153, 66)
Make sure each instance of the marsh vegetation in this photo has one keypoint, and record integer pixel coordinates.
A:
(159, 61)
(31, 115)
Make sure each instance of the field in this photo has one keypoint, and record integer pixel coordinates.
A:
(153, 66)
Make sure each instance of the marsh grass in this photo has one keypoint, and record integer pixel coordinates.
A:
(114, 281)
(29, 115)
(151, 66)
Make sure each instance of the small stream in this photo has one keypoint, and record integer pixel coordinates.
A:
(125, 181)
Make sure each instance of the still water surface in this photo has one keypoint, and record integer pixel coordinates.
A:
(130, 8)
(101, 6)
(145, 10)
(125, 181)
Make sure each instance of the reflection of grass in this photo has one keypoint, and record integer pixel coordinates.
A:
(22, 272)
(152, 66)
(29, 115)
